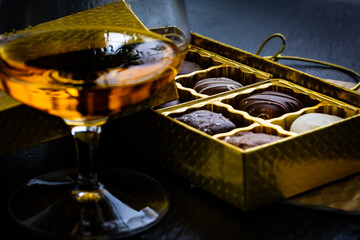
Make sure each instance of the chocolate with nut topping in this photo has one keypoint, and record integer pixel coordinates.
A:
(207, 121)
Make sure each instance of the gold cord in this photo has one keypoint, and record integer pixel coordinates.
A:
(277, 56)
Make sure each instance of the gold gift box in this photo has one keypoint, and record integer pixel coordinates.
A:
(257, 176)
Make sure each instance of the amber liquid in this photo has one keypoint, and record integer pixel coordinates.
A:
(85, 74)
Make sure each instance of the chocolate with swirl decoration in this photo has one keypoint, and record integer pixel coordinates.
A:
(212, 86)
(269, 104)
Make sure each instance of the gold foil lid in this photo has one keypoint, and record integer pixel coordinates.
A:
(115, 14)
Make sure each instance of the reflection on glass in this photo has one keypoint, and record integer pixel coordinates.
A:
(85, 68)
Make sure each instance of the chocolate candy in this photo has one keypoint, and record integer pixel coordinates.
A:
(189, 67)
(269, 104)
(207, 121)
(245, 140)
(211, 86)
(311, 121)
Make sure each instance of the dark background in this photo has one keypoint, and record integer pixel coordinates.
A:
(327, 30)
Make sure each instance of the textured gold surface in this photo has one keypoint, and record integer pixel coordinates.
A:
(115, 14)
(254, 177)
(269, 172)
(342, 195)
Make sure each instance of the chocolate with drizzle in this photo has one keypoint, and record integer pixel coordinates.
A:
(212, 86)
(269, 104)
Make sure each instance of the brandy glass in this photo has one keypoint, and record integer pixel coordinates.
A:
(84, 63)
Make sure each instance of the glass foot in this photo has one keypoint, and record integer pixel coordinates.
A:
(53, 206)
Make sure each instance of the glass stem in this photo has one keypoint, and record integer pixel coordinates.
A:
(87, 153)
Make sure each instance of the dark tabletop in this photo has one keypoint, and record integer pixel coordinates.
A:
(327, 30)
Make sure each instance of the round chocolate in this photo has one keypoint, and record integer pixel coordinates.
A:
(189, 67)
(207, 121)
(245, 140)
(211, 86)
(311, 121)
(269, 104)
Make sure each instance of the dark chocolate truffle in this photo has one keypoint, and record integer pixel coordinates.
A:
(189, 67)
(211, 86)
(245, 140)
(207, 121)
(269, 104)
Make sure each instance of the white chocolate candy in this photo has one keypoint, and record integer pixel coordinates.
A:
(311, 121)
